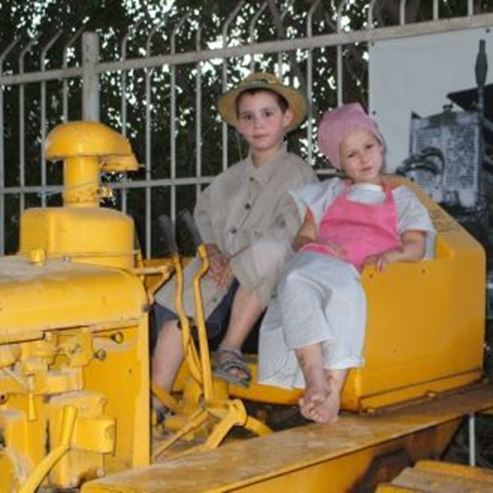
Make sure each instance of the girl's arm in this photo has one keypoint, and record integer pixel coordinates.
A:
(307, 232)
(412, 249)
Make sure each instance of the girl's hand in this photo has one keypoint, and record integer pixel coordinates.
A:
(411, 250)
(381, 261)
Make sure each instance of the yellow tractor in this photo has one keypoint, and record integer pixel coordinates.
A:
(74, 361)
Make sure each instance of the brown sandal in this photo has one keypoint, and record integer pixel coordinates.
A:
(227, 359)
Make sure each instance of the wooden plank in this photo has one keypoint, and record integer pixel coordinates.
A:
(242, 463)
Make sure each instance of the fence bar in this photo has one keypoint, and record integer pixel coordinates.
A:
(402, 12)
(309, 80)
(251, 31)
(64, 73)
(280, 71)
(90, 77)
(340, 75)
(148, 156)
(22, 143)
(371, 8)
(471, 421)
(162, 182)
(42, 61)
(3, 55)
(173, 116)
(225, 35)
(123, 105)
(198, 114)
(324, 40)
(172, 123)
(436, 10)
(148, 145)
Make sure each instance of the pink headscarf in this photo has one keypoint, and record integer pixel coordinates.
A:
(336, 124)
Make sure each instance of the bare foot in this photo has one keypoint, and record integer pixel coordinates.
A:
(321, 401)
(320, 404)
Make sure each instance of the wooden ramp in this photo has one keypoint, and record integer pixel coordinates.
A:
(356, 454)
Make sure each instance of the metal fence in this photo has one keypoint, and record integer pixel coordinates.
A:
(159, 86)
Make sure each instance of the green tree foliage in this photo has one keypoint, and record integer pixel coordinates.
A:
(147, 28)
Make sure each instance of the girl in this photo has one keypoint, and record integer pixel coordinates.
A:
(313, 332)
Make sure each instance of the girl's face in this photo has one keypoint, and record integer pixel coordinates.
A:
(361, 155)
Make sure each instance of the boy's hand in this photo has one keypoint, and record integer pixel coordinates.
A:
(220, 270)
(226, 277)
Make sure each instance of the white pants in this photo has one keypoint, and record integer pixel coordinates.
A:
(319, 299)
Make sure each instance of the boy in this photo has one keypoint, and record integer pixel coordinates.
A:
(247, 220)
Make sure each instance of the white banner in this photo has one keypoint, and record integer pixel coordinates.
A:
(415, 75)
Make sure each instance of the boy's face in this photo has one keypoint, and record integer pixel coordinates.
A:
(261, 121)
(361, 155)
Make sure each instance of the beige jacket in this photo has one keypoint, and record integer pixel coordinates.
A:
(248, 213)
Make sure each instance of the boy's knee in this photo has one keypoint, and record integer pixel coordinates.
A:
(270, 255)
(165, 329)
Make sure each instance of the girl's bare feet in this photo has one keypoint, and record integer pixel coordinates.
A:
(321, 401)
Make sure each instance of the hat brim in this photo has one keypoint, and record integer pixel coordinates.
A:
(226, 103)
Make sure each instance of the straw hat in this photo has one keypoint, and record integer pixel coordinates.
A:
(226, 103)
(337, 123)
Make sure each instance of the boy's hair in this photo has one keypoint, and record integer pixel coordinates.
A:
(281, 100)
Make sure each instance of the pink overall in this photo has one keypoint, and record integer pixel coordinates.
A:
(361, 229)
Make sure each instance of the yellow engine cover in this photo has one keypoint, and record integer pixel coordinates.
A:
(60, 294)
(90, 235)
(72, 336)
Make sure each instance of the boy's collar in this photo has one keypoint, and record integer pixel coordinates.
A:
(264, 172)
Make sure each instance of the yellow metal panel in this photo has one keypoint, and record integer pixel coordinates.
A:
(80, 461)
(89, 235)
(425, 325)
(111, 431)
(13, 472)
(262, 393)
(25, 438)
(123, 378)
(85, 139)
(64, 294)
